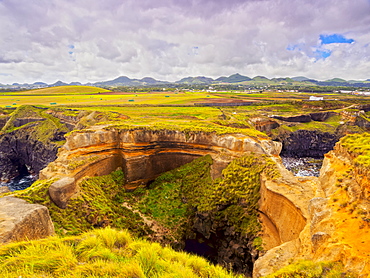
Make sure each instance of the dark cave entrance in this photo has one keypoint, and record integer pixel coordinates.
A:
(218, 242)
(202, 249)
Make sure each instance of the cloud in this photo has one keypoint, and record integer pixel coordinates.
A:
(92, 40)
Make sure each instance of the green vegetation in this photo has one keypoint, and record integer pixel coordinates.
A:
(312, 269)
(98, 204)
(172, 197)
(101, 253)
(175, 196)
(359, 146)
(42, 129)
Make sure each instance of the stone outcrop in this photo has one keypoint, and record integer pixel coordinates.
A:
(62, 190)
(144, 154)
(20, 154)
(29, 141)
(332, 213)
(264, 124)
(20, 220)
(4, 189)
(307, 143)
(318, 116)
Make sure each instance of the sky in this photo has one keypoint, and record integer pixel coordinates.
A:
(98, 40)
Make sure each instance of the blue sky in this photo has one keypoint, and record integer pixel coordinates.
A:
(335, 38)
(94, 40)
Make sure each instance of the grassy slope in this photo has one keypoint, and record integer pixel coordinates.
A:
(101, 253)
(74, 90)
(359, 146)
(97, 205)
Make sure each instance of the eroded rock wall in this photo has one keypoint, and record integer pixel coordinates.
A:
(336, 211)
(144, 154)
(19, 152)
(307, 143)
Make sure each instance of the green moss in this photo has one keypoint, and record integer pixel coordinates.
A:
(238, 191)
(98, 204)
(170, 199)
(43, 130)
(175, 196)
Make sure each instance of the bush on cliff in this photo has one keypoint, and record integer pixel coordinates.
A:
(101, 253)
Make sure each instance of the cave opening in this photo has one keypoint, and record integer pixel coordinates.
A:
(202, 249)
(222, 246)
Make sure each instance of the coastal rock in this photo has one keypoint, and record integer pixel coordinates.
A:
(144, 154)
(4, 189)
(20, 220)
(62, 190)
(20, 154)
(336, 212)
(264, 124)
(306, 143)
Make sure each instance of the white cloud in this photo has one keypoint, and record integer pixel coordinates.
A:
(169, 39)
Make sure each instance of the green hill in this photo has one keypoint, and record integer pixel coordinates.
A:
(76, 90)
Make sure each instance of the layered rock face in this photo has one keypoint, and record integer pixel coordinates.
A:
(144, 154)
(20, 220)
(326, 220)
(307, 143)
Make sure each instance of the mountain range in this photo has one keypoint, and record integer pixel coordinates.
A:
(236, 79)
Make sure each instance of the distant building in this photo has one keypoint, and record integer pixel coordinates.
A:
(316, 98)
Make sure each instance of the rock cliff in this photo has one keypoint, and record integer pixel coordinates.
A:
(328, 216)
(306, 143)
(144, 154)
(29, 141)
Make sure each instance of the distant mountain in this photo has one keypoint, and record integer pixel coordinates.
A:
(336, 80)
(201, 80)
(300, 78)
(235, 78)
(125, 81)
(58, 83)
(281, 79)
(149, 80)
(260, 78)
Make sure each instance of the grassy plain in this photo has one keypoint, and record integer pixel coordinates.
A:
(86, 95)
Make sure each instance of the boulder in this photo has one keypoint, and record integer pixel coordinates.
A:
(62, 190)
(4, 189)
(20, 220)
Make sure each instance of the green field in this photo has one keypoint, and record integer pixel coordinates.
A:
(87, 96)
